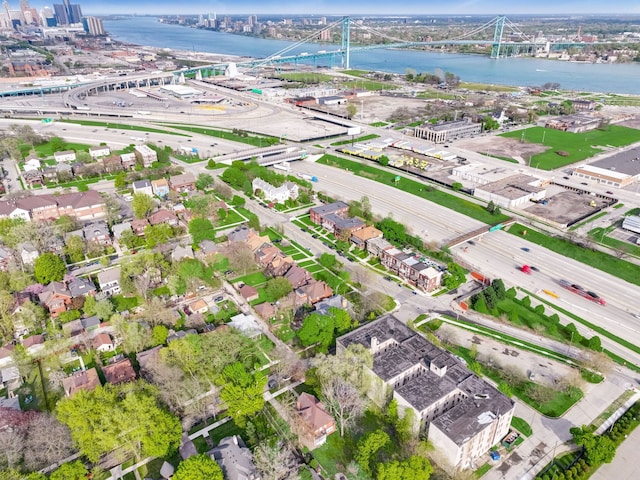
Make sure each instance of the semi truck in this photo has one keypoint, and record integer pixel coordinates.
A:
(579, 290)
(311, 178)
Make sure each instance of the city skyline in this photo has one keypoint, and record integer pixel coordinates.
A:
(334, 7)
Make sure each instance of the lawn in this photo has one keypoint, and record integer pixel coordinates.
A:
(480, 472)
(368, 85)
(600, 235)
(364, 138)
(597, 259)
(255, 140)
(231, 219)
(306, 77)
(416, 188)
(522, 426)
(46, 149)
(252, 279)
(578, 146)
(122, 126)
(123, 303)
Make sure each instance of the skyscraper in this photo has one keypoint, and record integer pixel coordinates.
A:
(68, 13)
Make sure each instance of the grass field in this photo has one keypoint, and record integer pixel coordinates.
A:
(578, 146)
(121, 126)
(304, 77)
(364, 138)
(600, 260)
(255, 140)
(419, 189)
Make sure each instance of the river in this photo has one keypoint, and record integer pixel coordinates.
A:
(605, 78)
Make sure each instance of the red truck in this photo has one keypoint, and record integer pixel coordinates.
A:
(572, 287)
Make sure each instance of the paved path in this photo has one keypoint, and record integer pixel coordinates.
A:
(625, 465)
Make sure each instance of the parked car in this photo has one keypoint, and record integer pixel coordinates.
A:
(219, 299)
(609, 193)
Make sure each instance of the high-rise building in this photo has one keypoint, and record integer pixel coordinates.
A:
(61, 14)
(93, 25)
(68, 13)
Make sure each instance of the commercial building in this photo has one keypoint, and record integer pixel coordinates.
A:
(513, 191)
(463, 415)
(446, 131)
(93, 26)
(603, 176)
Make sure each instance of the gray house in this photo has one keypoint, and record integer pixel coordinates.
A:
(235, 459)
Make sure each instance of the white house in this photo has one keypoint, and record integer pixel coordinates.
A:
(288, 191)
(65, 156)
(109, 281)
(32, 165)
(103, 343)
(143, 186)
(28, 253)
(101, 151)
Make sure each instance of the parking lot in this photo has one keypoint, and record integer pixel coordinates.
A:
(565, 206)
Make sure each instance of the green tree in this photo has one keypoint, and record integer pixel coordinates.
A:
(201, 229)
(127, 417)
(342, 321)
(75, 249)
(48, 268)
(416, 467)
(103, 309)
(498, 288)
(198, 467)
(70, 471)
(595, 344)
(368, 448)
(318, 329)
(204, 181)
(278, 287)
(89, 307)
(160, 334)
(157, 234)
(243, 392)
(142, 204)
(121, 180)
(351, 110)
(328, 261)
(66, 224)
(456, 186)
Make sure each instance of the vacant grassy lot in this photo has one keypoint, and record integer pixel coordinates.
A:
(305, 77)
(359, 139)
(255, 140)
(419, 189)
(600, 260)
(578, 146)
(122, 126)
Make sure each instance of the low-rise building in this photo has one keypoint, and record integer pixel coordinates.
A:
(128, 161)
(337, 208)
(83, 380)
(443, 132)
(287, 191)
(464, 415)
(101, 151)
(109, 281)
(119, 372)
(103, 343)
(97, 232)
(143, 186)
(65, 156)
(235, 459)
(182, 183)
(317, 423)
(160, 187)
(145, 155)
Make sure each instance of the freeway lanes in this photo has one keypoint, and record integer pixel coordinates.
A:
(497, 255)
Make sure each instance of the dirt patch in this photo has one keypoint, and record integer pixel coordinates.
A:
(497, 146)
(566, 206)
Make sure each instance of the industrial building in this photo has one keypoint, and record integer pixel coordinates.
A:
(513, 191)
(464, 415)
(446, 131)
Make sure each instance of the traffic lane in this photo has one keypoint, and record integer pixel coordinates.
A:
(429, 220)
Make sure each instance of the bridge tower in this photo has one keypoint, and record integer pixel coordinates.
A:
(497, 37)
(346, 41)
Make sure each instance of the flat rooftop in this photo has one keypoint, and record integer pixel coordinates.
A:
(625, 162)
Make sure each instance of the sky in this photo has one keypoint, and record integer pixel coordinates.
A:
(361, 7)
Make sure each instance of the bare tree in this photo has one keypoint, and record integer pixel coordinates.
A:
(142, 284)
(289, 364)
(47, 441)
(241, 258)
(344, 401)
(599, 362)
(275, 461)
(156, 313)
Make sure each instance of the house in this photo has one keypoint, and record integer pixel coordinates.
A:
(280, 265)
(143, 186)
(33, 344)
(33, 177)
(337, 301)
(84, 380)
(118, 372)
(120, 228)
(316, 421)
(248, 293)
(314, 291)
(342, 227)
(182, 183)
(265, 254)
(73, 328)
(28, 253)
(297, 276)
(128, 161)
(98, 233)
(112, 163)
(148, 358)
(316, 214)
(160, 187)
(64, 156)
(418, 272)
(51, 173)
(266, 310)
(207, 248)
(181, 252)
(80, 287)
(240, 234)
(246, 324)
(163, 216)
(90, 323)
(6, 258)
(138, 226)
(10, 378)
(464, 415)
(55, 297)
(101, 151)
(33, 164)
(64, 171)
(235, 459)
(6, 354)
(254, 242)
(287, 191)
(359, 237)
(198, 306)
(377, 245)
(103, 343)
(109, 281)
(145, 155)
(187, 447)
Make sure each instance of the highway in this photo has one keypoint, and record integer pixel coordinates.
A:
(497, 255)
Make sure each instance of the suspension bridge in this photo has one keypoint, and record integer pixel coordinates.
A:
(503, 36)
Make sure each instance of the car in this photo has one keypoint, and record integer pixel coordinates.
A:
(228, 272)
(213, 144)
(584, 183)
(277, 240)
(525, 249)
(566, 178)
(636, 315)
(609, 192)
(314, 235)
(535, 269)
(219, 299)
